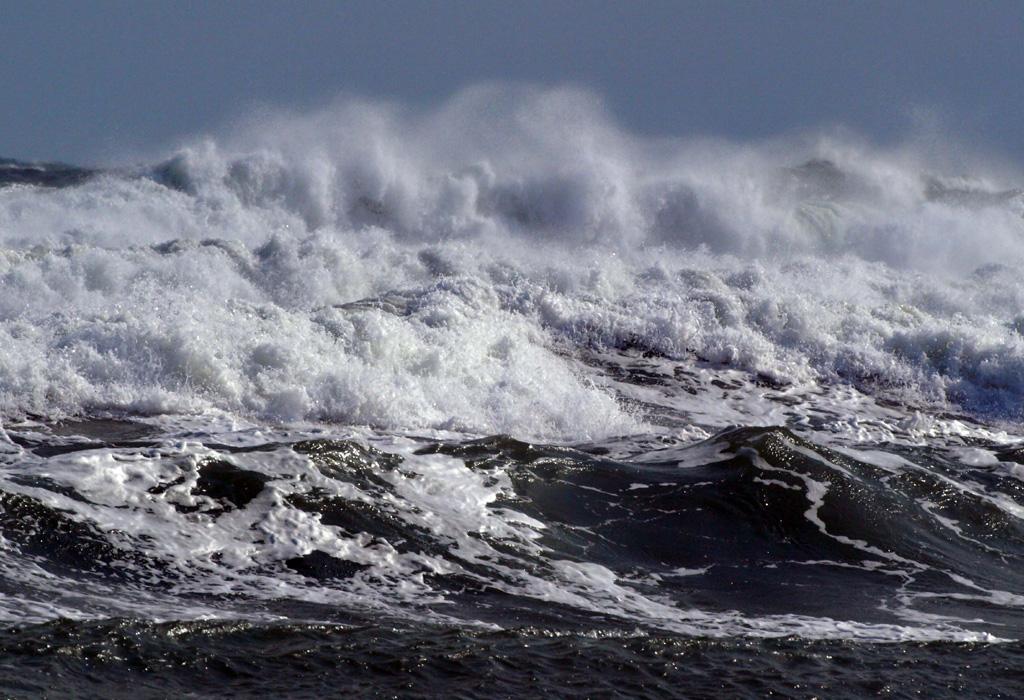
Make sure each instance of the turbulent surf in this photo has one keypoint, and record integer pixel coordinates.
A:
(499, 393)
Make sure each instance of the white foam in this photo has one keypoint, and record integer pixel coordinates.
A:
(519, 227)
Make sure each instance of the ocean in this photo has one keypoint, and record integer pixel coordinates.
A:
(499, 399)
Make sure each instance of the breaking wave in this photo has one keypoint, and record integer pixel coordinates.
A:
(369, 264)
(503, 364)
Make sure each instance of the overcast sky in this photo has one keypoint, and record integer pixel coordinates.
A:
(87, 81)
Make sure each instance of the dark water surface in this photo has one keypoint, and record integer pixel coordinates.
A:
(132, 659)
(752, 563)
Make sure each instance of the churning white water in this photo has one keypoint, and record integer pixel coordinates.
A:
(369, 264)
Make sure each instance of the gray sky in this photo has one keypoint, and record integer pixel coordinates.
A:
(87, 81)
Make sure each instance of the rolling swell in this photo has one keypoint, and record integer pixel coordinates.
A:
(757, 517)
(744, 523)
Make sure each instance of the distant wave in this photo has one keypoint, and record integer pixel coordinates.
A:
(16, 172)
